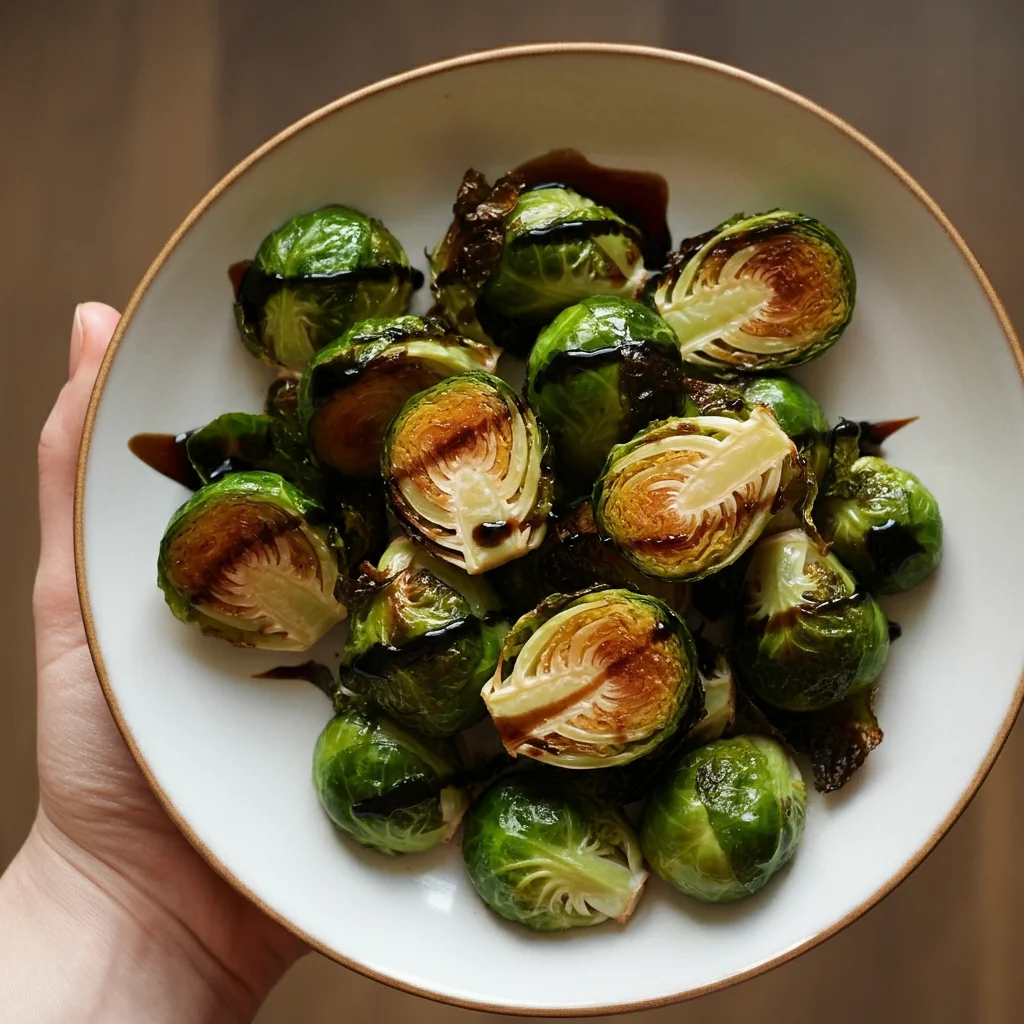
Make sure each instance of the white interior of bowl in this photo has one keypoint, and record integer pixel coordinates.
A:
(232, 755)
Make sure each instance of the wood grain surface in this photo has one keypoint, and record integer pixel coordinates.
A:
(116, 116)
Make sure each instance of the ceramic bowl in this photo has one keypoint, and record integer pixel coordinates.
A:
(230, 757)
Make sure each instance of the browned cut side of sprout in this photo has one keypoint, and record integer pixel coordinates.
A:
(591, 681)
(689, 495)
(466, 466)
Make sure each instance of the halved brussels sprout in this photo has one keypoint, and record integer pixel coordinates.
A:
(689, 495)
(602, 370)
(881, 520)
(385, 787)
(573, 557)
(808, 636)
(466, 468)
(797, 413)
(726, 819)
(548, 860)
(593, 679)
(353, 388)
(252, 560)
(758, 293)
(423, 640)
(314, 277)
(514, 258)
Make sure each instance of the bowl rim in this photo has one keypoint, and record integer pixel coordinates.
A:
(426, 71)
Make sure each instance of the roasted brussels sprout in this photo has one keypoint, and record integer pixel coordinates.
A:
(592, 680)
(316, 276)
(252, 560)
(726, 819)
(423, 640)
(573, 557)
(514, 258)
(602, 370)
(758, 293)
(689, 495)
(466, 469)
(548, 860)
(808, 635)
(881, 521)
(353, 388)
(385, 787)
(241, 441)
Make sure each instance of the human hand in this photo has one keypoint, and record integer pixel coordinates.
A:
(128, 888)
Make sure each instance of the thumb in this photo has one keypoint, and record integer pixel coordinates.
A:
(58, 618)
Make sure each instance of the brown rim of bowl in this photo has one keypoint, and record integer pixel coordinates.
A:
(485, 57)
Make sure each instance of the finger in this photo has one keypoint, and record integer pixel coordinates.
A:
(58, 461)
(77, 332)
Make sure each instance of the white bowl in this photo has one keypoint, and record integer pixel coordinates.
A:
(230, 757)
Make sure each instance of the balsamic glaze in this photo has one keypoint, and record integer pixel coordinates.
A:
(380, 660)
(309, 671)
(890, 546)
(405, 795)
(419, 789)
(662, 631)
(639, 197)
(872, 435)
(490, 535)
(167, 454)
(573, 231)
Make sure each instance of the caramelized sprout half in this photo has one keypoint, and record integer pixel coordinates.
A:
(592, 680)
(758, 293)
(254, 561)
(466, 468)
(687, 496)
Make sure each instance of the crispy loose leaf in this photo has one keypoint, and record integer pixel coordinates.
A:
(837, 740)
(471, 250)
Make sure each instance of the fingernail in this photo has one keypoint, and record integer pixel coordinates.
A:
(77, 338)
